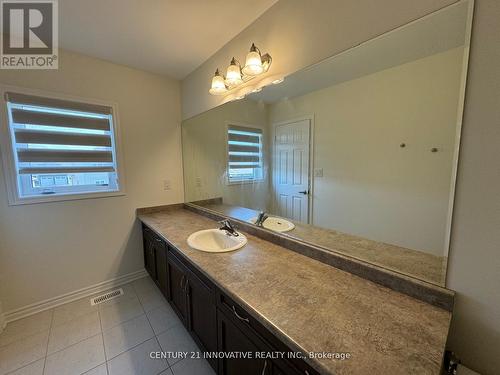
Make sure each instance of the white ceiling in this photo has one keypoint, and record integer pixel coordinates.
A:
(170, 37)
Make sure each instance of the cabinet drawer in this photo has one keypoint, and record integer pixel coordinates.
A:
(249, 325)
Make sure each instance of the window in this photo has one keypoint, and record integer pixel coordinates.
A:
(245, 160)
(60, 149)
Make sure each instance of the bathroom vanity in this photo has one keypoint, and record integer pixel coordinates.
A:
(342, 178)
(267, 298)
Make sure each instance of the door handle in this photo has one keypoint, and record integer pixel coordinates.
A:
(305, 192)
(264, 368)
(182, 281)
(239, 316)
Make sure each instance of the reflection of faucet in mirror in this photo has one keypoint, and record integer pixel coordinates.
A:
(228, 228)
(261, 218)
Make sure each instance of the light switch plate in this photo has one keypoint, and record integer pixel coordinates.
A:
(318, 172)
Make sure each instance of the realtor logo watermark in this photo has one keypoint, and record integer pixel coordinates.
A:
(29, 34)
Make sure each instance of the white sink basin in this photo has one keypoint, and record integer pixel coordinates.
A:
(216, 241)
(278, 224)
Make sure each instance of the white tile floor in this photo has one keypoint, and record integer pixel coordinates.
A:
(113, 338)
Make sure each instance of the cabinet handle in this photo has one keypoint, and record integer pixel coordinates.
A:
(158, 240)
(264, 368)
(240, 317)
(182, 281)
(186, 286)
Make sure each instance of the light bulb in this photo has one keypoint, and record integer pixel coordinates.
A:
(233, 74)
(253, 65)
(218, 85)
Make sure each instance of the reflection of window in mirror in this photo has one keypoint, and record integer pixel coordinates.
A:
(244, 154)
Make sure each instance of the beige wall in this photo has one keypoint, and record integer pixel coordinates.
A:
(474, 264)
(204, 148)
(53, 248)
(298, 33)
(367, 178)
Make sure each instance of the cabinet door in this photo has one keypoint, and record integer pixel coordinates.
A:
(202, 323)
(232, 339)
(149, 253)
(177, 279)
(161, 265)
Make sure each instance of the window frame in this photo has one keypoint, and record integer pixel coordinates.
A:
(243, 181)
(8, 158)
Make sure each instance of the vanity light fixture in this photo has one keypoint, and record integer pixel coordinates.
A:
(255, 64)
(218, 85)
(233, 74)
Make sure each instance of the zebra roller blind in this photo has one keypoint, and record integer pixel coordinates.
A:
(245, 159)
(61, 146)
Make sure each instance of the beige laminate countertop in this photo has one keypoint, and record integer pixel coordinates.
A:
(314, 307)
(414, 263)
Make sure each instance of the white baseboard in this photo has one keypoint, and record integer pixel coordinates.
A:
(72, 296)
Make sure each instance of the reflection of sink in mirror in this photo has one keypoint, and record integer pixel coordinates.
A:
(216, 241)
(278, 224)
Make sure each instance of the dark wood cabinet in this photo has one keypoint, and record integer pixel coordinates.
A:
(216, 322)
(160, 250)
(149, 253)
(155, 259)
(202, 314)
(177, 277)
(232, 339)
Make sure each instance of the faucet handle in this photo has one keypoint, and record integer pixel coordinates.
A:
(228, 227)
(225, 222)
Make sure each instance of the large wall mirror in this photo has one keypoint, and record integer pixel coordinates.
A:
(356, 154)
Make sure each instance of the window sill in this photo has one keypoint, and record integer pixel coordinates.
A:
(64, 197)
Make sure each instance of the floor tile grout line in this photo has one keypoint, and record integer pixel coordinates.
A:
(51, 326)
(28, 336)
(129, 349)
(36, 360)
(23, 366)
(48, 340)
(144, 313)
(73, 344)
(151, 326)
(76, 343)
(25, 338)
(124, 321)
(73, 318)
(53, 310)
(102, 339)
(100, 333)
(93, 368)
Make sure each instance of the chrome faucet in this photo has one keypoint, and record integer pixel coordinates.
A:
(261, 218)
(228, 228)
